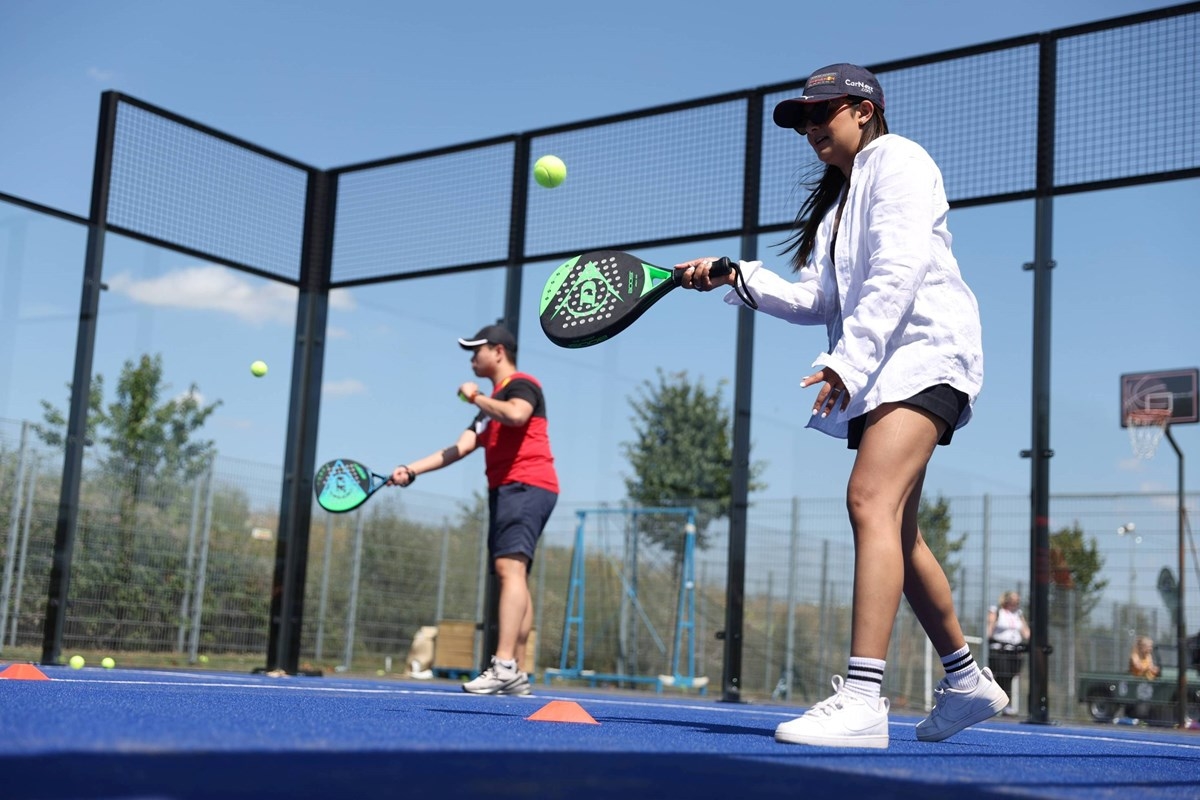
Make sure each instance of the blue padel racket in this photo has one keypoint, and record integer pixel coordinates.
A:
(595, 296)
(344, 484)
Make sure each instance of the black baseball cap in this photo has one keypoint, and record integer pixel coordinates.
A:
(829, 83)
(490, 334)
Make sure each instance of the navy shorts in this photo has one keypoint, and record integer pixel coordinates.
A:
(517, 513)
(942, 400)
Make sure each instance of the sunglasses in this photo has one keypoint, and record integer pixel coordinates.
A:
(821, 113)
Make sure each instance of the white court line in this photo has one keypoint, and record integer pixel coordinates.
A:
(1088, 737)
(604, 701)
(224, 685)
(301, 686)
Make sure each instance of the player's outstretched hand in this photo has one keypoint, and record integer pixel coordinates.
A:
(697, 274)
(402, 476)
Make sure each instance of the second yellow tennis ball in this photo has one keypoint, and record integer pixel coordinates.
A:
(107, 662)
(76, 662)
(549, 171)
(258, 368)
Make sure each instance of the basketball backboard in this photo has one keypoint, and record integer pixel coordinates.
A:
(1174, 391)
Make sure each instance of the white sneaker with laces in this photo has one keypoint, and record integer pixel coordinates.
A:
(955, 709)
(843, 720)
(499, 679)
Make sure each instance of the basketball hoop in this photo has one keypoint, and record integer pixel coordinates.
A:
(1146, 428)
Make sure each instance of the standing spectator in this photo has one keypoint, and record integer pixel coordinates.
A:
(1008, 641)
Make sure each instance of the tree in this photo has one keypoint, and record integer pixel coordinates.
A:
(1074, 567)
(934, 521)
(147, 451)
(682, 456)
(135, 429)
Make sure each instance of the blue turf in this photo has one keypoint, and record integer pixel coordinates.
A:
(97, 733)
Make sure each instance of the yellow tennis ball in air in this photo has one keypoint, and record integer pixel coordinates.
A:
(107, 662)
(258, 368)
(76, 662)
(549, 171)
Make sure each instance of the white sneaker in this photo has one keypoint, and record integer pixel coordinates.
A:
(521, 687)
(955, 709)
(498, 679)
(844, 720)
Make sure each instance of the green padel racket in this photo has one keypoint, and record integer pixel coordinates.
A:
(595, 296)
(344, 484)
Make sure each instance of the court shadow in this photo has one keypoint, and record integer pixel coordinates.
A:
(542, 775)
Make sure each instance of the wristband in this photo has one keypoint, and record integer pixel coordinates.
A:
(412, 476)
(474, 394)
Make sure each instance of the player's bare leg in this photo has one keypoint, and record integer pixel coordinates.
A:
(514, 613)
(515, 605)
(884, 490)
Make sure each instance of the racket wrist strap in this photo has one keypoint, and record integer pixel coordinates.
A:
(739, 286)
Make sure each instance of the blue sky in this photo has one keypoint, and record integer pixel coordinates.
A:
(336, 84)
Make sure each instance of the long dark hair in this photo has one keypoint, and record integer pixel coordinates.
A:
(825, 183)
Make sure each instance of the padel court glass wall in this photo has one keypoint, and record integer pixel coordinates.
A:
(118, 544)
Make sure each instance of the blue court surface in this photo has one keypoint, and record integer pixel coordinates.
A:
(125, 733)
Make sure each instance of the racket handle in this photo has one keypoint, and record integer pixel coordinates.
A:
(720, 268)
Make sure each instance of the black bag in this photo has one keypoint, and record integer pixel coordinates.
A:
(1005, 659)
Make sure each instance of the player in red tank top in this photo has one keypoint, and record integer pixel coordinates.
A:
(522, 490)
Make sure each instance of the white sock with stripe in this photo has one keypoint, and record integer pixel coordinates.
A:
(961, 670)
(864, 677)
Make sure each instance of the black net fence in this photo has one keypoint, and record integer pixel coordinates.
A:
(181, 185)
(1123, 114)
(420, 214)
(1125, 107)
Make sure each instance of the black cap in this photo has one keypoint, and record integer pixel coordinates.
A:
(490, 334)
(829, 83)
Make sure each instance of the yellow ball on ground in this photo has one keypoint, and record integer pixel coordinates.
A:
(258, 368)
(549, 171)
(76, 662)
(107, 662)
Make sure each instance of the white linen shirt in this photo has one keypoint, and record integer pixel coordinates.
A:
(903, 319)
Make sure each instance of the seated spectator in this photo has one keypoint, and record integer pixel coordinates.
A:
(1141, 659)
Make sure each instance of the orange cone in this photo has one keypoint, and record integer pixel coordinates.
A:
(562, 711)
(24, 672)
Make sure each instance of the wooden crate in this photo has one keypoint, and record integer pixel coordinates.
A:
(455, 646)
(527, 664)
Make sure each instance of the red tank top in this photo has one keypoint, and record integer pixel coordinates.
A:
(518, 454)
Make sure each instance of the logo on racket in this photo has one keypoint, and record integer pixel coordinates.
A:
(344, 483)
(589, 291)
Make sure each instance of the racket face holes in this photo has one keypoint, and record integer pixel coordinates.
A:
(598, 293)
(589, 293)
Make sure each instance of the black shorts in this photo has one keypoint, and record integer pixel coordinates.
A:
(517, 513)
(942, 400)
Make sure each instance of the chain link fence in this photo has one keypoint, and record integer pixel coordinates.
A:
(179, 572)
